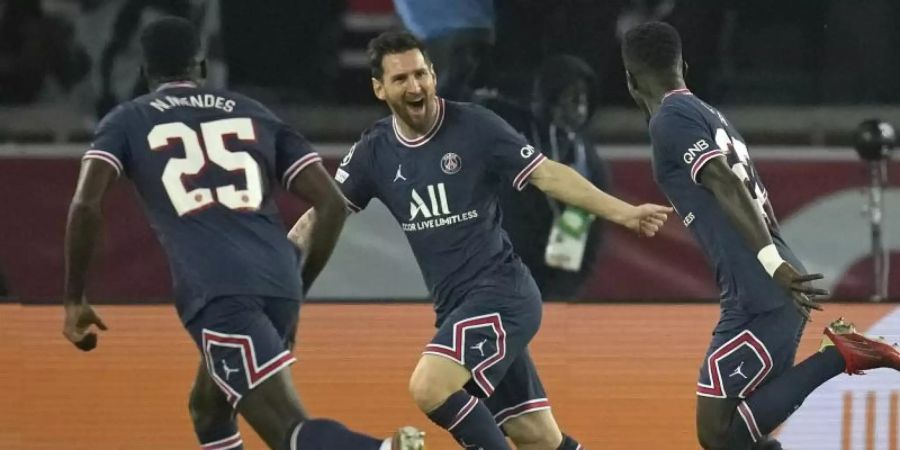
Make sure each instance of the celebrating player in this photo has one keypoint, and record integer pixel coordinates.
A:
(205, 163)
(748, 384)
(439, 166)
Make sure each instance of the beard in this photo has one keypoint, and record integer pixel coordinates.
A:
(416, 115)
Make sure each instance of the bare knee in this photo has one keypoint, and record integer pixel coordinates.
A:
(534, 431)
(429, 391)
(719, 427)
(206, 409)
(434, 380)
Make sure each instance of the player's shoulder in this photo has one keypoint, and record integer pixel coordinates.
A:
(474, 112)
(246, 101)
(118, 116)
(478, 119)
(677, 113)
(244, 104)
(376, 135)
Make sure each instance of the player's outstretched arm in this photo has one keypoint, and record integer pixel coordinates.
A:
(734, 198)
(82, 230)
(318, 230)
(568, 186)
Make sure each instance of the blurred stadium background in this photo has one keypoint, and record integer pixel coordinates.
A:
(619, 357)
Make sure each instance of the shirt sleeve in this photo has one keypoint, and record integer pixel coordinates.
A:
(511, 156)
(293, 153)
(110, 143)
(685, 144)
(353, 179)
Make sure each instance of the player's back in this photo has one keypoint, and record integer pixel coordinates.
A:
(687, 133)
(205, 164)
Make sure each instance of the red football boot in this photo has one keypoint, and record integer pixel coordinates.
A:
(860, 352)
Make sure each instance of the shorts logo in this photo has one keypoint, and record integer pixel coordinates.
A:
(739, 371)
(228, 370)
(480, 347)
(451, 163)
(526, 151)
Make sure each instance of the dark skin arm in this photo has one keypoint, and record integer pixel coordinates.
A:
(741, 209)
(82, 232)
(315, 186)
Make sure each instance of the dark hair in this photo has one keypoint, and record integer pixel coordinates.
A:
(556, 74)
(170, 45)
(652, 46)
(389, 43)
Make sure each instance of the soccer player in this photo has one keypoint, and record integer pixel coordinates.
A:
(748, 385)
(439, 166)
(205, 164)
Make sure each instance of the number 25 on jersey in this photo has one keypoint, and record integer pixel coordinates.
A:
(195, 158)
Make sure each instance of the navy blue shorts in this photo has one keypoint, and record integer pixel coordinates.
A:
(244, 340)
(745, 354)
(489, 335)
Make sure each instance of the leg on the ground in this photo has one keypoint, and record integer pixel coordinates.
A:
(245, 345)
(212, 415)
(521, 407)
(536, 430)
(436, 386)
(719, 426)
(274, 410)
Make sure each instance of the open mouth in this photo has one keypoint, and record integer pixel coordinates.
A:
(417, 105)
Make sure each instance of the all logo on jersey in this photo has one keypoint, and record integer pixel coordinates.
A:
(451, 163)
(437, 207)
(431, 209)
(526, 151)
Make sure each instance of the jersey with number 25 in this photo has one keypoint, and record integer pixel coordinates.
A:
(205, 164)
(686, 134)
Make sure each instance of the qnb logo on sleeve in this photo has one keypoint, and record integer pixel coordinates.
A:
(433, 210)
(692, 153)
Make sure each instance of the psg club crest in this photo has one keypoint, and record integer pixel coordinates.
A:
(451, 163)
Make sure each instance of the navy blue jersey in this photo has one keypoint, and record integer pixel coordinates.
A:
(443, 190)
(205, 164)
(686, 134)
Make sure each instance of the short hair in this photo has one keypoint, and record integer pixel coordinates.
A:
(389, 43)
(170, 46)
(652, 46)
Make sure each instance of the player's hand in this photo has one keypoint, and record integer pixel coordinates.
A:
(647, 219)
(79, 325)
(800, 288)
